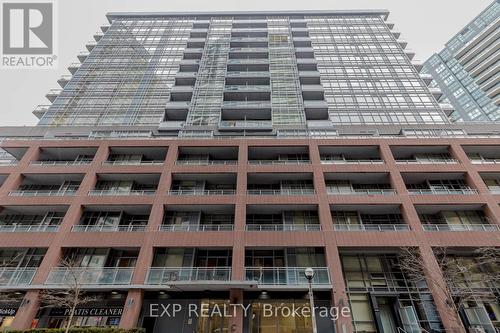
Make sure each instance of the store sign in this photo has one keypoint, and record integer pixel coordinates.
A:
(87, 312)
(8, 312)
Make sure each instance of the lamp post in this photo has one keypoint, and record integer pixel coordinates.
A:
(309, 274)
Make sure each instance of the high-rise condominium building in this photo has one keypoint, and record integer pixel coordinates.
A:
(198, 160)
(467, 70)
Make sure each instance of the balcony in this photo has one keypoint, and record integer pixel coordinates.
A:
(43, 193)
(108, 228)
(283, 191)
(435, 183)
(422, 155)
(199, 227)
(371, 227)
(120, 192)
(358, 183)
(90, 276)
(443, 191)
(286, 276)
(283, 227)
(207, 156)
(461, 227)
(278, 155)
(483, 154)
(28, 228)
(40, 110)
(62, 156)
(196, 191)
(15, 277)
(53, 94)
(123, 156)
(167, 275)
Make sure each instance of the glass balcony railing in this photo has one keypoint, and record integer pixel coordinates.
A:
(196, 191)
(368, 191)
(283, 227)
(285, 191)
(37, 193)
(196, 227)
(12, 277)
(442, 191)
(286, 275)
(248, 104)
(117, 192)
(246, 88)
(90, 276)
(247, 74)
(28, 228)
(371, 227)
(248, 124)
(108, 228)
(165, 275)
(461, 227)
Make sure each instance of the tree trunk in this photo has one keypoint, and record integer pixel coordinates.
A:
(71, 314)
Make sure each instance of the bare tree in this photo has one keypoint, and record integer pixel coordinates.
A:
(72, 296)
(460, 276)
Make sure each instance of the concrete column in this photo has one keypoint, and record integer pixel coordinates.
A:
(27, 311)
(132, 309)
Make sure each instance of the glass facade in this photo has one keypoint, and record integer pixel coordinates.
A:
(245, 74)
(467, 68)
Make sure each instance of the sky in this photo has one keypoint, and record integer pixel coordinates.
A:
(425, 24)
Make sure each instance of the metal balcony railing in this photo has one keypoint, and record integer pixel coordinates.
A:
(325, 161)
(60, 163)
(286, 275)
(429, 161)
(108, 228)
(337, 191)
(8, 163)
(12, 277)
(371, 227)
(28, 228)
(206, 162)
(247, 74)
(201, 192)
(113, 192)
(273, 162)
(245, 88)
(37, 193)
(132, 163)
(283, 227)
(294, 191)
(196, 227)
(462, 191)
(165, 275)
(494, 190)
(485, 161)
(461, 227)
(90, 276)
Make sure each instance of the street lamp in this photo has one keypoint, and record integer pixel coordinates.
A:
(309, 274)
